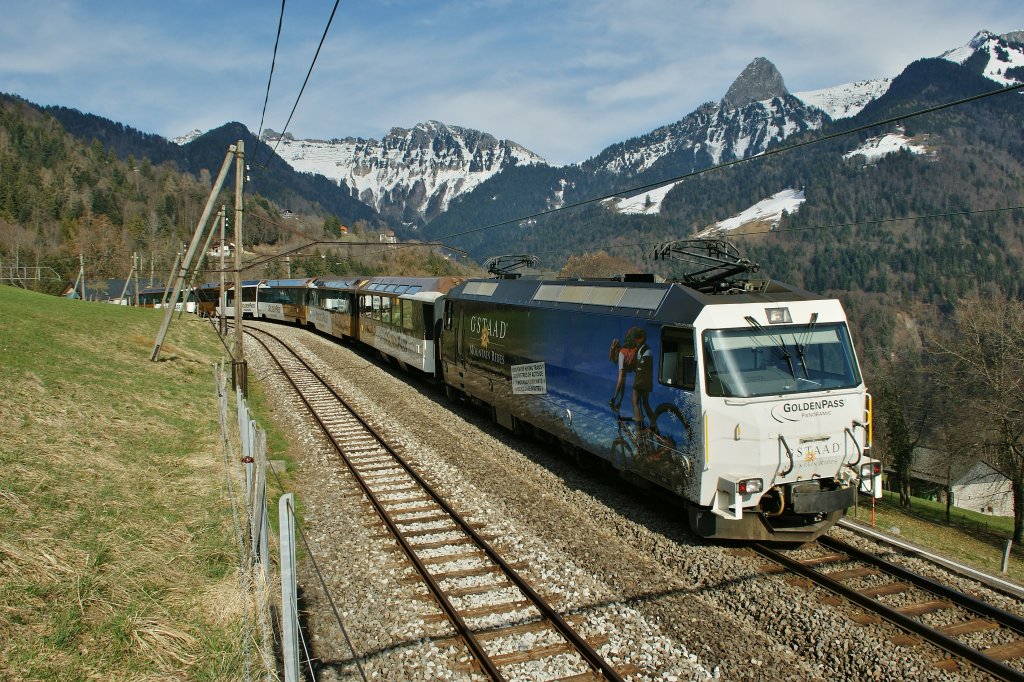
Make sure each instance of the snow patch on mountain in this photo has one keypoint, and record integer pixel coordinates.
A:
(876, 147)
(847, 100)
(646, 203)
(767, 213)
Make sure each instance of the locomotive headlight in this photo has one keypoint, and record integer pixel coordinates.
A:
(750, 485)
(870, 469)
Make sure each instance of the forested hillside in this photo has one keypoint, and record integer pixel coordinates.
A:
(60, 199)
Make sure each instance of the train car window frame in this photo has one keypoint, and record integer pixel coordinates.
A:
(678, 367)
(385, 309)
(408, 322)
(375, 306)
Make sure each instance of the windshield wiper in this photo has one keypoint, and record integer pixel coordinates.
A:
(780, 345)
(801, 348)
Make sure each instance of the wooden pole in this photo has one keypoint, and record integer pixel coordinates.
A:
(180, 281)
(128, 280)
(170, 278)
(239, 373)
(222, 296)
(199, 264)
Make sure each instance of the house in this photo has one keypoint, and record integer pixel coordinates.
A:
(975, 484)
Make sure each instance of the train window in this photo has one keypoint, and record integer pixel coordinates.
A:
(365, 305)
(402, 289)
(447, 315)
(678, 358)
(396, 312)
(426, 321)
(385, 309)
(407, 322)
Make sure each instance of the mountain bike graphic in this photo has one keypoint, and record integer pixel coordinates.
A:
(653, 448)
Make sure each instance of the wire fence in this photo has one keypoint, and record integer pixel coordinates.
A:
(260, 571)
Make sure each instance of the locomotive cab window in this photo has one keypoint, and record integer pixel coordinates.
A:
(678, 358)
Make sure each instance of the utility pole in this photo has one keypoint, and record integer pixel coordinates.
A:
(135, 266)
(187, 261)
(199, 263)
(81, 273)
(170, 278)
(239, 371)
(222, 296)
(127, 281)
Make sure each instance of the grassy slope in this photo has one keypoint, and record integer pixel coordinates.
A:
(117, 549)
(974, 538)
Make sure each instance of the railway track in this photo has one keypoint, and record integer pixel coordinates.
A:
(961, 625)
(501, 619)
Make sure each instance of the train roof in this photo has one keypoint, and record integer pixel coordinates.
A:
(339, 282)
(405, 284)
(631, 298)
(278, 283)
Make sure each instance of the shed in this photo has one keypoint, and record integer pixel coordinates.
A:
(976, 485)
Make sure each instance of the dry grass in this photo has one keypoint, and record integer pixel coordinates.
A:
(117, 552)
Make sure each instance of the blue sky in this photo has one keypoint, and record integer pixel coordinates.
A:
(562, 78)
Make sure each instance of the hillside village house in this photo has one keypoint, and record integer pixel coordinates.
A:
(975, 485)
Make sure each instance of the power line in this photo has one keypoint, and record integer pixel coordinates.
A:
(304, 83)
(736, 162)
(273, 62)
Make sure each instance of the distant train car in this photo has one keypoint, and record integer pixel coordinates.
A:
(207, 299)
(250, 299)
(333, 306)
(283, 300)
(400, 317)
(748, 405)
(154, 298)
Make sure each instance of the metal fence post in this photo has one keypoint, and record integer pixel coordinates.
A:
(289, 591)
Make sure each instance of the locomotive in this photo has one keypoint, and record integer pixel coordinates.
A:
(742, 397)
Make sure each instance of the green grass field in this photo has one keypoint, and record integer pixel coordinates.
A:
(117, 547)
(976, 539)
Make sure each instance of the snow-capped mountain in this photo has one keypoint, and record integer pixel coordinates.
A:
(187, 137)
(998, 58)
(756, 112)
(412, 174)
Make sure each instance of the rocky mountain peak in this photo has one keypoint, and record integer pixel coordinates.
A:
(758, 82)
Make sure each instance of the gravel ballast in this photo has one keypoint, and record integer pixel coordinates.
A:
(615, 561)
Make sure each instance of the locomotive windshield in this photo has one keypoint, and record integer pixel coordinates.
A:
(771, 361)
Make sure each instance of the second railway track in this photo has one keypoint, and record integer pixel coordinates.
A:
(503, 621)
(969, 629)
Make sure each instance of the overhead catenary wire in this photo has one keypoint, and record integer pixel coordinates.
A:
(304, 83)
(270, 79)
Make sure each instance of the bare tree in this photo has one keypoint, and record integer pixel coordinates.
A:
(982, 364)
(904, 410)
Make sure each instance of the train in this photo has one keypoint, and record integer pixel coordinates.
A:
(744, 401)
